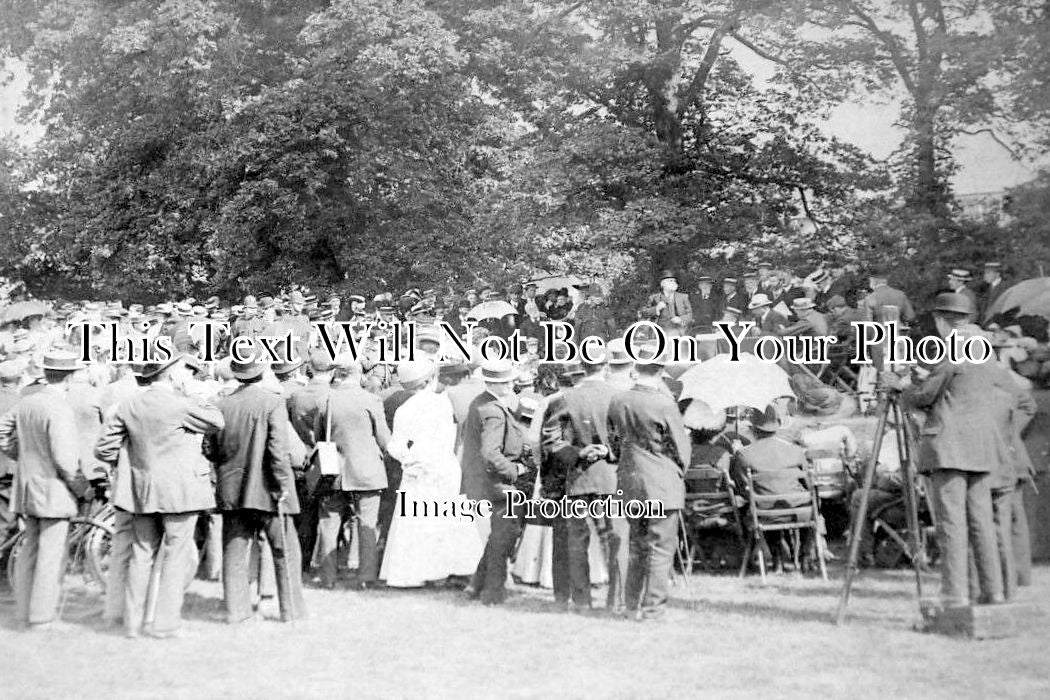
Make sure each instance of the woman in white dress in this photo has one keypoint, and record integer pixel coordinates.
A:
(434, 544)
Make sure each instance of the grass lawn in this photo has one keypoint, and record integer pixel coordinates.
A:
(742, 639)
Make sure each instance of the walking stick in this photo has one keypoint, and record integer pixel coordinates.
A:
(284, 586)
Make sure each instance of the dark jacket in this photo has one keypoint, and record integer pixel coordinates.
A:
(649, 441)
(494, 445)
(777, 467)
(577, 419)
(251, 453)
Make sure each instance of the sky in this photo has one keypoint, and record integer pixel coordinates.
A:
(984, 165)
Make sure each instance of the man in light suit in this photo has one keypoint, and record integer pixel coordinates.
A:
(256, 491)
(575, 422)
(669, 308)
(649, 444)
(495, 457)
(159, 433)
(41, 433)
(361, 433)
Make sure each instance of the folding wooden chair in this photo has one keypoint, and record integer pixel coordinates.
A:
(783, 512)
(711, 502)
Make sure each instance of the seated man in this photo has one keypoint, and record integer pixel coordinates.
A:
(886, 488)
(777, 468)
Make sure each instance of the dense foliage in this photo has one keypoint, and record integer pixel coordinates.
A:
(196, 146)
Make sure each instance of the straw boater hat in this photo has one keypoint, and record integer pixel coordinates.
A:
(758, 301)
(802, 304)
(61, 361)
(498, 371)
(616, 353)
(960, 274)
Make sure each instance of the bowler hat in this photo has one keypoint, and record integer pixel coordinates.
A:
(952, 303)
(321, 361)
(668, 274)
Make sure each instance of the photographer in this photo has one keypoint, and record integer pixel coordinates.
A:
(965, 442)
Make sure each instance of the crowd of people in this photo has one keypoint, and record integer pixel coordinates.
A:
(285, 470)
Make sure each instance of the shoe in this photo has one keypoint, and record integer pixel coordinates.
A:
(51, 626)
(176, 633)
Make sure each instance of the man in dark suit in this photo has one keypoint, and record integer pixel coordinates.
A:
(649, 444)
(768, 321)
(40, 432)
(361, 433)
(669, 308)
(495, 456)
(256, 492)
(705, 306)
(730, 297)
(994, 286)
(575, 423)
(159, 433)
(958, 281)
(965, 440)
(304, 405)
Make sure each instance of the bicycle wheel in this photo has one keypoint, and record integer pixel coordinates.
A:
(12, 556)
(95, 547)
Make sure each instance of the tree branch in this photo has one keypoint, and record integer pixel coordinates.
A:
(995, 137)
(707, 63)
(900, 61)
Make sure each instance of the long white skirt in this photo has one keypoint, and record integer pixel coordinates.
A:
(533, 563)
(431, 547)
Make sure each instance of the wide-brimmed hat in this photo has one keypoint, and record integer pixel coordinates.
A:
(498, 371)
(950, 302)
(321, 361)
(282, 368)
(246, 370)
(767, 421)
(415, 373)
(149, 369)
(758, 301)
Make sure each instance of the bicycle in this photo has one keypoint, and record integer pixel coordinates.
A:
(88, 543)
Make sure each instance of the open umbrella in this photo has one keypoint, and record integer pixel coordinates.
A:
(723, 384)
(491, 309)
(1018, 296)
(22, 309)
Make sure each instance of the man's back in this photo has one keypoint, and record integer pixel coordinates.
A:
(47, 455)
(251, 451)
(360, 430)
(583, 418)
(650, 442)
(776, 465)
(160, 431)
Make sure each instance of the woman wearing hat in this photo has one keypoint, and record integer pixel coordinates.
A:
(427, 540)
